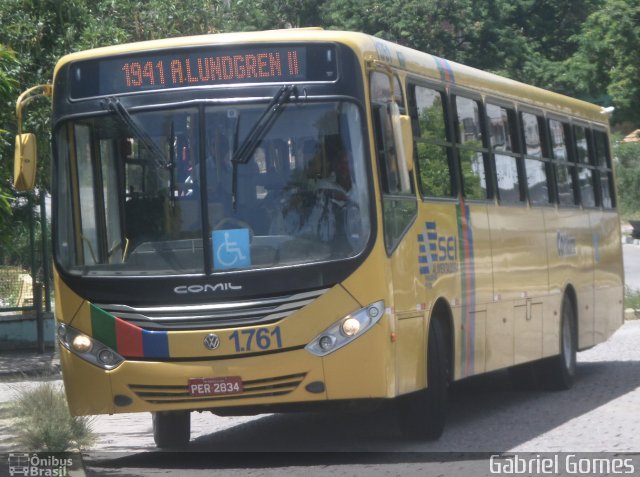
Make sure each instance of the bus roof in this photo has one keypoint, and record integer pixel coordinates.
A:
(371, 48)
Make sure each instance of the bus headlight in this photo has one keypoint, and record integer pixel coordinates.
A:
(87, 348)
(346, 329)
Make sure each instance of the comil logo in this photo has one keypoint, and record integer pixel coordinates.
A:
(37, 465)
(438, 254)
(194, 289)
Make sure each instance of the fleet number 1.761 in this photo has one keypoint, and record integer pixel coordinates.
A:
(253, 339)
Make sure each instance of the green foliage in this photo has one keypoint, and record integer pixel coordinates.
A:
(8, 86)
(607, 61)
(10, 285)
(43, 423)
(631, 298)
(627, 168)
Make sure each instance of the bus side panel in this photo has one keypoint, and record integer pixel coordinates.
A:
(608, 284)
(570, 255)
(454, 257)
(521, 285)
(362, 369)
(88, 388)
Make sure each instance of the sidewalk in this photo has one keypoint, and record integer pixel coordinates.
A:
(17, 364)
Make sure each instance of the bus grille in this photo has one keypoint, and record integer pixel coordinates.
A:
(256, 388)
(216, 315)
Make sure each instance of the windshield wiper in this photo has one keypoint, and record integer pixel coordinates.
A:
(114, 104)
(242, 154)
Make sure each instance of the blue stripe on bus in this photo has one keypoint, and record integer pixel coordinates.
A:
(155, 344)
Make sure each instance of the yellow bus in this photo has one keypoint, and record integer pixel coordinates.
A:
(272, 221)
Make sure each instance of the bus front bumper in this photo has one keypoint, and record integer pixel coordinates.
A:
(359, 370)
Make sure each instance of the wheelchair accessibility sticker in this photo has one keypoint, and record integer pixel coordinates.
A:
(231, 249)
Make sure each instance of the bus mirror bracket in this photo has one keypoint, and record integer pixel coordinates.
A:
(26, 151)
(407, 140)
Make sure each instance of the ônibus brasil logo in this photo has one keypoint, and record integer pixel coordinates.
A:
(35, 465)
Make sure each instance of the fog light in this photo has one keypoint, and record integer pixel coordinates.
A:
(350, 326)
(326, 342)
(106, 356)
(373, 312)
(81, 343)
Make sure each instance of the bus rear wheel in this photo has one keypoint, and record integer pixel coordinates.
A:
(557, 373)
(171, 429)
(422, 414)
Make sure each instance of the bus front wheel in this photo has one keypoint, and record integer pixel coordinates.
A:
(171, 429)
(422, 414)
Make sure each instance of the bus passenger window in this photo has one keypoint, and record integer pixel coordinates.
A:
(564, 169)
(504, 153)
(471, 151)
(537, 162)
(586, 175)
(603, 162)
(433, 149)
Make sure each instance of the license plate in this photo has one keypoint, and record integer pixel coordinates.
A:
(215, 386)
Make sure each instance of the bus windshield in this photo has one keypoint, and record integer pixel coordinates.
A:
(301, 196)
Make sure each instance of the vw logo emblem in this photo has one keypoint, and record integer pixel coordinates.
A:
(211, 341)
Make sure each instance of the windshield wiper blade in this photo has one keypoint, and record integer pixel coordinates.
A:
(242, 154)
(262, 125)
(114, 104)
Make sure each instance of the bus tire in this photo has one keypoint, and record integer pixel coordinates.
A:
(422, 414)
(557, 373)
(171, 429)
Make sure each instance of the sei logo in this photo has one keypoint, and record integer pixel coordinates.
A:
(438, 254)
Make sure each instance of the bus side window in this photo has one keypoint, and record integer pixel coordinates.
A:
(398, 199)
(603, 163)
(537, 160)
(503, 147)
(433, 147)
(472, 154)
(586, 176)
(564, 168)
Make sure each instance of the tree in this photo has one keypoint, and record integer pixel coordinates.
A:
(608, 58)
(7, 91)
(627, 164)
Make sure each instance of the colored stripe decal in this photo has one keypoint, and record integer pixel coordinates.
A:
(155, 344)
(446, 72)
(127, 339)
(468, 288)
(103, 327)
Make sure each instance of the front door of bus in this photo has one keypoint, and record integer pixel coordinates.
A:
(399, 207)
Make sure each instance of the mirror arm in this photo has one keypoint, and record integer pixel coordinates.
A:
(28, 96)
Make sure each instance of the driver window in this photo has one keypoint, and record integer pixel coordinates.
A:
(399, 206)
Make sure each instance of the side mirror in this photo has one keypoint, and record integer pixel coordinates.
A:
(24, 166)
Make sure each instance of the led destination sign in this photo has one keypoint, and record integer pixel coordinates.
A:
(202, 67)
